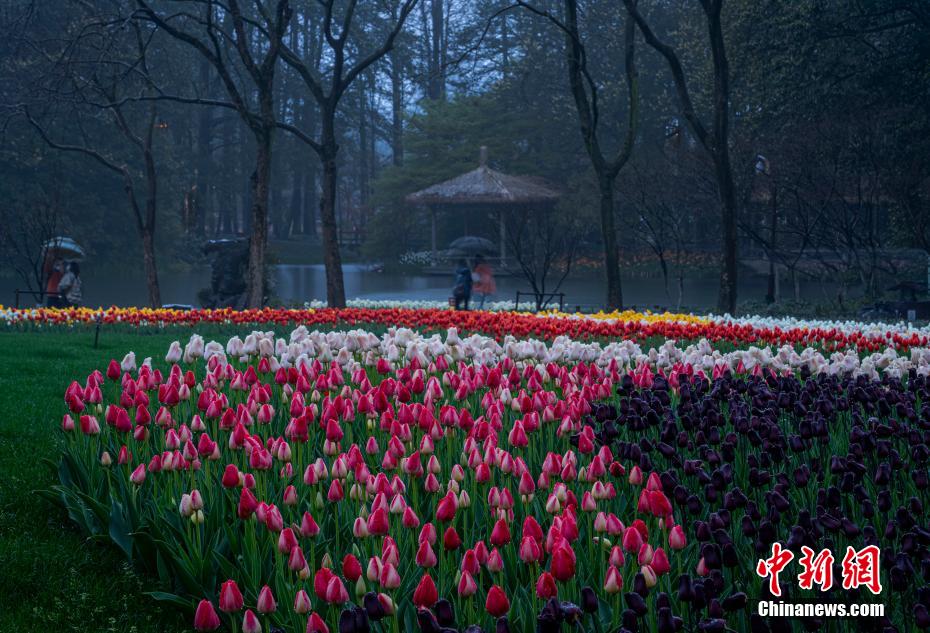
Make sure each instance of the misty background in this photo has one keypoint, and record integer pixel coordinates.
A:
(793, 179)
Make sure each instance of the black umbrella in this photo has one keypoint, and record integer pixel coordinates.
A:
(473, 245)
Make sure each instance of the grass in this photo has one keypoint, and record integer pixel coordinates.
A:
(51, 577)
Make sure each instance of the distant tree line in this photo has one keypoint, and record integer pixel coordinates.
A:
(789, 137)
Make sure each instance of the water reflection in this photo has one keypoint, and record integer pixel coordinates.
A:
(295, 284)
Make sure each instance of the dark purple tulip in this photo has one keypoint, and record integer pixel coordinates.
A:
(891, 530)
(850, 529)
(729, 556)
(884, 500)
(571, 612)
(757, 624)
(474, 628)
(589, 602)
(668, 623)
(427, 621)
(635, 602)
(714, 625)
(735, 602)
(685, 588)
(712, 556)
(714, 610)
(639, 585)
(921, 616)
(373, 606)
(502, 625)
(630, 620)
(445, 613)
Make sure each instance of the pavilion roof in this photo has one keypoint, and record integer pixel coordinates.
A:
(485, 186)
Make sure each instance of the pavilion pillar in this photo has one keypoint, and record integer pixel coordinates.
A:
(435, 253)
(503, 239)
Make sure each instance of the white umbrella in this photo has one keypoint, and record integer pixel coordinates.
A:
(64, 248)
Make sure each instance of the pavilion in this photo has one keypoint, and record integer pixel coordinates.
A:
(483, 189)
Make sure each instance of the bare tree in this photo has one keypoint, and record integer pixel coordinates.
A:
(585, 92)
(327, 89)
(244, 48)
(714, 140)
(87, 76)
(544, 244)
(659, 217)
(24, 232)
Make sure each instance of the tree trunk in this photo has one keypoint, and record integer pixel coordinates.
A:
(437, 81)
(609, 234)
(772, 291)
(397, 110)
(202, 206)
(726, 299)
(258, 242)
(335, 289)
(151, 271)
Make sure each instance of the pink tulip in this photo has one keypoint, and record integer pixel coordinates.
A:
(230, 597)
(302, 603)
(250, 623)
(266, 602)
(138, 475)
(206, 619)
(676, 538)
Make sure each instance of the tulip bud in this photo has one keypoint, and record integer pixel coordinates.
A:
(302, 603)
(266, 602)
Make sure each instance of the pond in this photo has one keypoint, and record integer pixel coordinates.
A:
(295, 284)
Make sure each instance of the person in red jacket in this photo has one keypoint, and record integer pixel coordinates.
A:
(483, 285)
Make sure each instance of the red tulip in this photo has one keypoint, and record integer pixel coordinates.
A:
(500, 535)
(321, 582)
(336, 591)
(660, 564)
(247, 504)
(497, 603)
(470, 563)
(563, 563)
(632, 540)
(425, 595)
(316, 624)
(379, 522)
(231, 476)
(451, 539)
(445, 509)
(206, 619)
(545, 586)
(230, 597)
(351, 568)
(410, 519)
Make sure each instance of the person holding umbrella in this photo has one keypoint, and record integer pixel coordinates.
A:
(484, 285)
(461, 291)
(58, 252)
(54, 271)
(69, 288)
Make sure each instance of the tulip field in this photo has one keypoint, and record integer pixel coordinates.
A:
(428, 470)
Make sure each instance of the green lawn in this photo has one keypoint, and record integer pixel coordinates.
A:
(51, 577)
